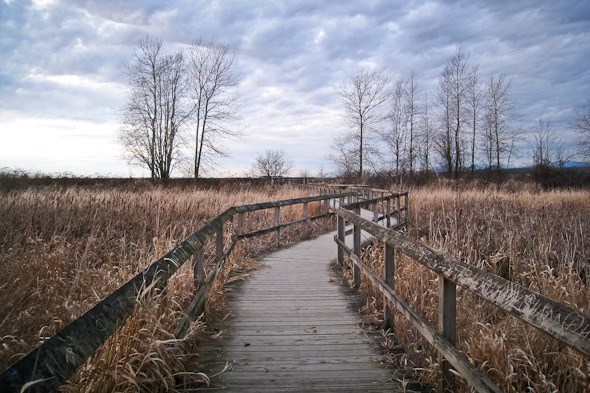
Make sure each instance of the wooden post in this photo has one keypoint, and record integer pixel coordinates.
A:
(388, 321)
(341, 237)
(277, 223)
(219, 244)
(199, 269)
(375, 211)
(356, 271)
(398, 213)
(447, 317)
(406, 210)
(388, 212)
(240, 225)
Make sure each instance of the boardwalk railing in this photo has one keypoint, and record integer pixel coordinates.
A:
(57, 359)
(567, 325)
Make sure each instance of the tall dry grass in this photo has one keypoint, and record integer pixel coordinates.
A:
(540, 240)
(62, 250)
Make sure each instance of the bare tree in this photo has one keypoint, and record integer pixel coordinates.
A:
(452, 98)
(501, 136)
(155, 113)
(213, 79)
(581, 123)
(272, 163)
(363, 96)
(412, 109)
(475, 100)
(426, 136)
(344, 154)
(394, 135)
(546, 145)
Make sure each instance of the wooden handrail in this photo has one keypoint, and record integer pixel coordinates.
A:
(57, 359)
(567, 325)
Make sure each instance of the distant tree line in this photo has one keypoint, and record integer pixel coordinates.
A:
(469, 122)
(179, 107)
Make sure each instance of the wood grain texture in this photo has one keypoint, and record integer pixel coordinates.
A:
(293, 327)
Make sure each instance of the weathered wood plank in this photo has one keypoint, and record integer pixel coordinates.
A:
(306, 336)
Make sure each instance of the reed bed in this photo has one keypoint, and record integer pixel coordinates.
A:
(62, 250)
(540, 240)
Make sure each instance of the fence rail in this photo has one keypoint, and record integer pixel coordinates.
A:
(567, 325)
(57, 359)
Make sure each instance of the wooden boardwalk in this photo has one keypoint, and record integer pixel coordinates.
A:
(292, 327)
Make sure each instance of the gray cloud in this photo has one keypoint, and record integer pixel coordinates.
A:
(63, 59)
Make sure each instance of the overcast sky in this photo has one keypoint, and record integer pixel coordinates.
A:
(61, 61)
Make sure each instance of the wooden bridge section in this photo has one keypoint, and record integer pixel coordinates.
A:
(292, 328)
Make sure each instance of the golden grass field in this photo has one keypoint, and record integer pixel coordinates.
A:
(64, 249)
(540, 240)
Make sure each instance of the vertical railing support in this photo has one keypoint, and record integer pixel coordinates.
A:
(199, 268)
(398, 213)
(277, 223)
(388, 212)
(406, 207)
(341, 236)
(375, 207)
(388, 320)
(240, 224)
(447, 319)
(306, 218)
(356, 271)
(219, 244)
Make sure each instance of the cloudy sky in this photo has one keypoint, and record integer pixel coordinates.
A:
(61, 61)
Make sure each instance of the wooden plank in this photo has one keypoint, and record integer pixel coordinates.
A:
(293, 318)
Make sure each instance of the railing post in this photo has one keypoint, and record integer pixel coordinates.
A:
(375, 209)
(240, 224)
(388, 212)
(219, 244)
(199, 268)
(356, 271)
(398, 213)
(341, 236)
(306, 218)
(277, 223)
(388, 320)
(447, 317)
(406, 210)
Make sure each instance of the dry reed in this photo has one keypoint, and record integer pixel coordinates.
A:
(63, 250)
(540, 240)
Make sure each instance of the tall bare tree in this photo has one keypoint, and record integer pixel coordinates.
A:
(444, 140)
(155, 113)
(475, 100)
(213, 80)
(501, 135)
(363, 96)
(426, 136)
(545, 143)
(413, 109)
(581, 123)
(394, 133)
(272, 163)
(451, 94)
(344, 154)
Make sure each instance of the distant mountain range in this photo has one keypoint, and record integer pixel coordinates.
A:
(576, 164)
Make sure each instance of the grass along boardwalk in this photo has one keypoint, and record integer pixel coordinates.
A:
(292, 327)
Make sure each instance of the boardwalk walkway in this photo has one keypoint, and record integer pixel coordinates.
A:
(292, 328)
